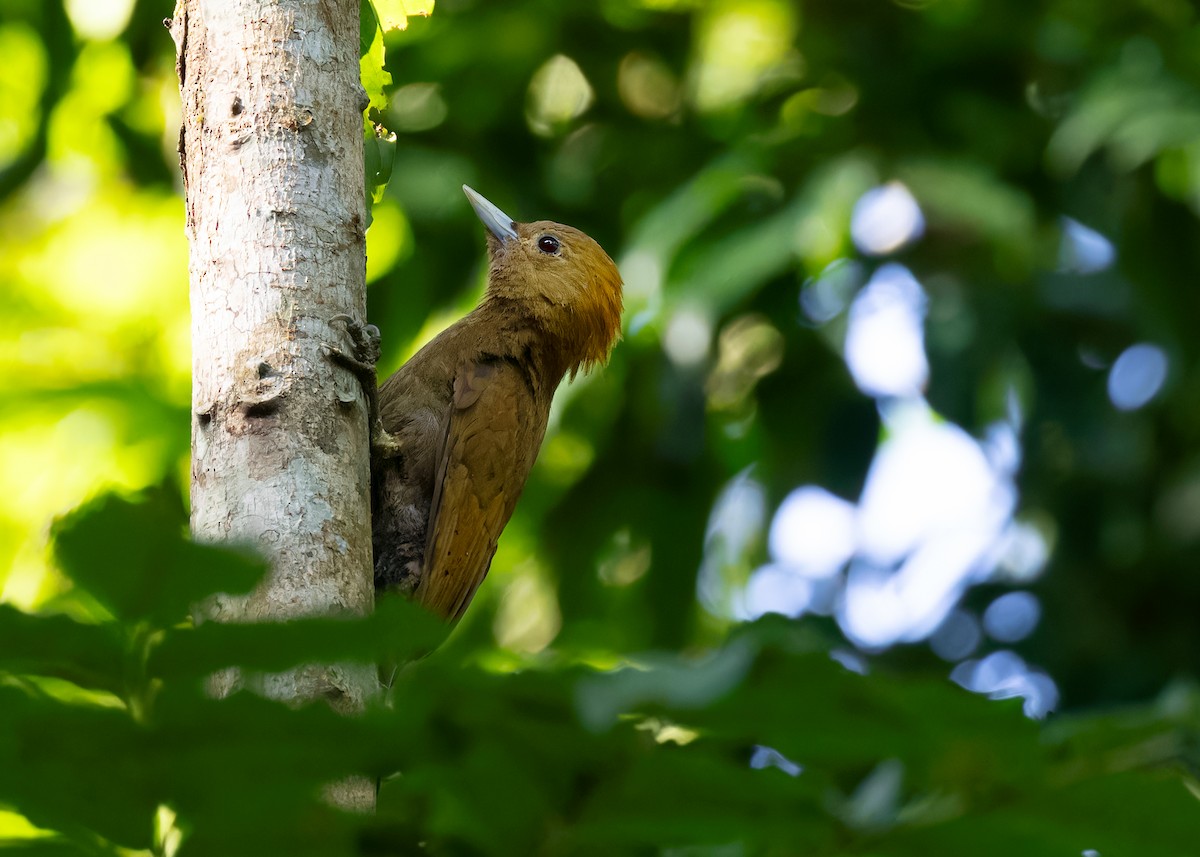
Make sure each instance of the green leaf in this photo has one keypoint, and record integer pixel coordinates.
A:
(671, 683)
(375, 78)
(368, 26)
(697, 795)
(386, 142)
(1145, 813)
(75, 768)
(43, 847)
(89, 655)
(398, 632)
(133, 556)
(394, 14)
(379, 155)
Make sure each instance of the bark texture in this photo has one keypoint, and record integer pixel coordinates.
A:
(271, 154)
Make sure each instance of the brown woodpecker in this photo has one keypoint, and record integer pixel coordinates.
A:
(467, 413)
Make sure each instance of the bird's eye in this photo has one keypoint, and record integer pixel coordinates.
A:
(548, 244)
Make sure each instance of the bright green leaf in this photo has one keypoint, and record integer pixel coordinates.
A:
(375, 78)
(394, 14)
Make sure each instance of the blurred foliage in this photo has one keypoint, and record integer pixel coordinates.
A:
(112, 746)
(716, 148)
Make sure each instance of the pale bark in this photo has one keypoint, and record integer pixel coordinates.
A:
(271, 153)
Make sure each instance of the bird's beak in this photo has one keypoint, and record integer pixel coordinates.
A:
(497, 222)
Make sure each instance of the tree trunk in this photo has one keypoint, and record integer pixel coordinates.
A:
(271, 153)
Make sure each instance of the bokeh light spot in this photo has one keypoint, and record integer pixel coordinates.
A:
(1084, 250)
(738, 43)
(1012, 617)
(558, 93)
(885, 340)
(958, 637)
(885, 219)
(1003, 675)
(1024, 550)
(528, 617)
(850, 659)
(99, 19)
(625, 562)
(647, 87)
(825, 296)
(775, 590)
(1137, 376)
(688, 337)
(417, 107)
(748, 349)
(929, 478)
(870, 613)
(813, 533)
(767, 757)
(732, 539)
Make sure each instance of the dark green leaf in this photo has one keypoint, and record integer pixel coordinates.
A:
(89, 655)
(133, 556)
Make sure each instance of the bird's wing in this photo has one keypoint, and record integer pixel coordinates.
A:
(492, 437)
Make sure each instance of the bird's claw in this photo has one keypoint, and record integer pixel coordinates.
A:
(365, 338)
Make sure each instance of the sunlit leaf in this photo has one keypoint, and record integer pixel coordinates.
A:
(375, 78)
(394, 14)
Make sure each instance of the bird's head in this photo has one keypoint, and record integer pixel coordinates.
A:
(559, 276)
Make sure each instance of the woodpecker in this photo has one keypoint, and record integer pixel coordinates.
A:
(465, 416)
